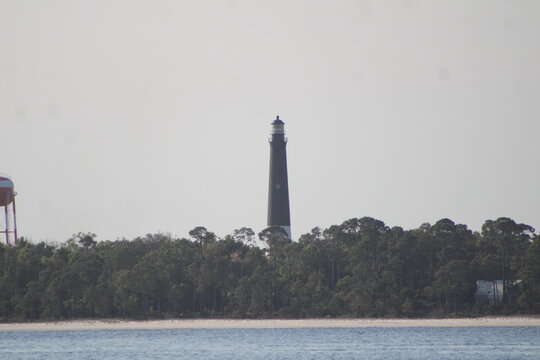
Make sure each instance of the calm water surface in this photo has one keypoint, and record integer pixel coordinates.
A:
(386, 343)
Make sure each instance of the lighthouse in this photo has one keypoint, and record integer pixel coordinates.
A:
(278, 190)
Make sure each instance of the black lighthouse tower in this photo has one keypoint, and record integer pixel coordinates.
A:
(278, 190)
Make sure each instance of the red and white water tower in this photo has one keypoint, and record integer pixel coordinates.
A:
(7, 201)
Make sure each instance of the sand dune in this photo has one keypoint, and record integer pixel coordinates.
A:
(266, 323)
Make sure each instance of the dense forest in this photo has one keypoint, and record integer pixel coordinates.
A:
(361, 268)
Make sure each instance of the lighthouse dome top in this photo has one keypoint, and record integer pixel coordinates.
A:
(278, 121)
(278, 126)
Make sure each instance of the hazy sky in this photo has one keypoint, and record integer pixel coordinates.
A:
(132, 117)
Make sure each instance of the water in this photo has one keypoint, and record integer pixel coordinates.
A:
(493, 343)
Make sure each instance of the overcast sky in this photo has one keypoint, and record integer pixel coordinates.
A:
(131, 117)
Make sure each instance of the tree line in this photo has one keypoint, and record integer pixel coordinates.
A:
(361, 268)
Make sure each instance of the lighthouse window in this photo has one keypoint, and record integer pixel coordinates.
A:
(278, 186)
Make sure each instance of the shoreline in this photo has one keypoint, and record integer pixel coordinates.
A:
(116, 324)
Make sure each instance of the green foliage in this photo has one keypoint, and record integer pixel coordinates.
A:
(361, 268)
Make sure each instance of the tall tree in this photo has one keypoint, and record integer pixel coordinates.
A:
(504, 243)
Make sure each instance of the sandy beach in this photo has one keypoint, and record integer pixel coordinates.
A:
(266, 323)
